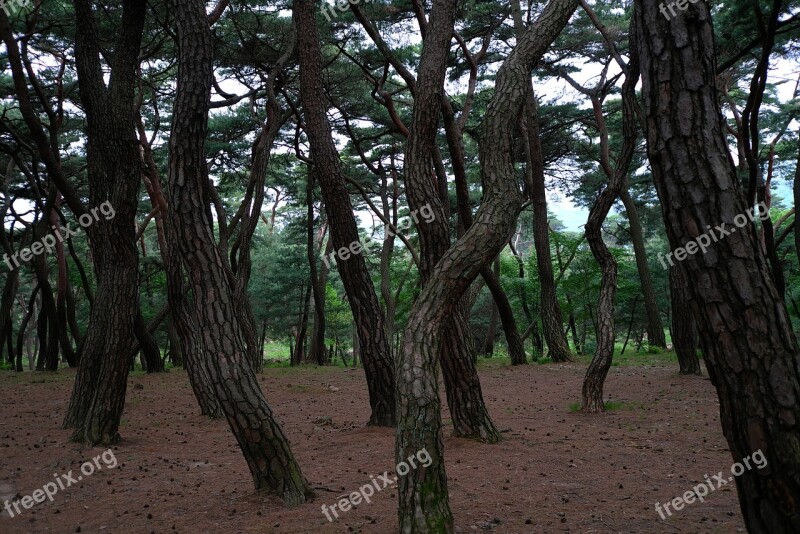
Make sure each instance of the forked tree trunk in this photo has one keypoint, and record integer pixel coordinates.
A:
(655, 330)
(353, 271)
(224, 354)
(114, 173)
(423, 498)
(684, 327)
(467, 408)
(748, 345)
(592, 394)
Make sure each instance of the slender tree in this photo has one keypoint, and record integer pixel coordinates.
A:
(223, 348)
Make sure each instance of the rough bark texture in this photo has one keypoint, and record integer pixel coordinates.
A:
(750, 351)
(357, 281)
(424, 503)
(684, 328)
(655, 330)
(114, 172)
(223, 350)
(465, 398)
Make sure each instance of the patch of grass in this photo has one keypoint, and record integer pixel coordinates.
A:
(610, 406)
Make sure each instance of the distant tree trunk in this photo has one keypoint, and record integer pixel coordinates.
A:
(6, 305)
(749, 349)
(47, 322)
(353, 271)
(422, 494)
(317, 349)
(655, 330)
(23, 327)
(592, 395)
(684, 329)
(491, 331)
(552, 321)
(224, 353)
(151, 355)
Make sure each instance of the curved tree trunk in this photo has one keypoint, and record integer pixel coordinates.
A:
(423, 497)
(684, 327)
(224, 353)
(357, 281)
(592, 395)
(655, 330)
(749, 348)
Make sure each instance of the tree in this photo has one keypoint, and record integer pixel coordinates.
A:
(750, 351)
(352, 268)
(684, 329)
(424, 502)
(224, 353)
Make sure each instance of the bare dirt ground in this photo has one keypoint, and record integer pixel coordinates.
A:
(556, 470)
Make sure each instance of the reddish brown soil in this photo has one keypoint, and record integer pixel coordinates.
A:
(556, 471)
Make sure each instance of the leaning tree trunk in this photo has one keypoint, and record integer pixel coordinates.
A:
(423, 498)
(655, 330)
(749, 348)
(353, 271)
(684, 327)
(148, 346)
(184, 337)
(467, 407)
(224, 353)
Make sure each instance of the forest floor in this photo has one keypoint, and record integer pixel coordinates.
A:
(557, 470)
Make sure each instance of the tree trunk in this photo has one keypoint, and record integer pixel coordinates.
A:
(423, 496)
(592, 395)
(224, 354)
(655, 330)
(491, 331)
(353, 271)
(749, 348)
(151, 355)
(317, 348)
(684, 329)
(552, 321)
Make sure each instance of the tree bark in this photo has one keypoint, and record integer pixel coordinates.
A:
(749, 348)
(224, 353)
(423, 497)
(353, 271)
(114, 173)
(684, 329)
